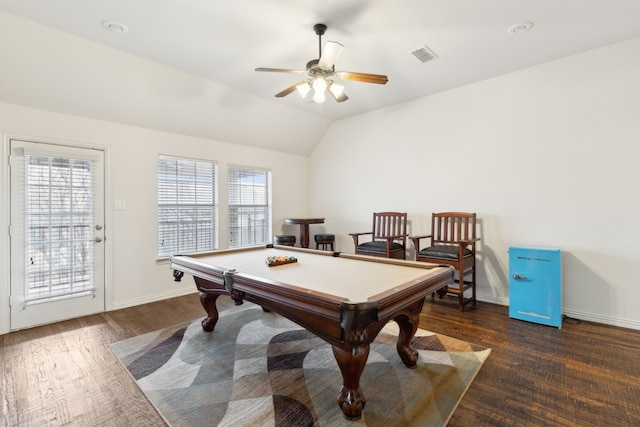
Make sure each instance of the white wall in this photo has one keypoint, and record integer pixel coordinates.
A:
(548, 156)
(135, 276)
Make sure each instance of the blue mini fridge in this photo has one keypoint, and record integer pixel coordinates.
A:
(535, 285)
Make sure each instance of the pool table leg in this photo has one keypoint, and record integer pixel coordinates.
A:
(351, 398)
(408, 327)
(208, 301)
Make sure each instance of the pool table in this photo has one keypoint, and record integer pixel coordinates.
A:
(342, 298)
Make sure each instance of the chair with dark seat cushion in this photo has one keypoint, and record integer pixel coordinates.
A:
(324, 241)
(453, 242)
(388, 237)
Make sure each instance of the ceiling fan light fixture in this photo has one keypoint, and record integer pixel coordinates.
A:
(319, 84)
(303, 89)
(319, 87)
(319, 97)
(336, 89)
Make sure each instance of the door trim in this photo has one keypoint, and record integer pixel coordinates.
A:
(5, 198)
(5, 260)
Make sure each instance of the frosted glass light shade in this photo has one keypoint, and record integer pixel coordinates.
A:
(319, 84)
(336, 89)
(303, 89)
(319, 97)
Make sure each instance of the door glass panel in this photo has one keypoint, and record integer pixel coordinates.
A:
(59, 226)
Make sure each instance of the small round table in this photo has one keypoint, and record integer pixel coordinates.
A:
(304, 227)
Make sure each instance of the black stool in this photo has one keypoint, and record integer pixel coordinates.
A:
(285, 240)
(325, 240)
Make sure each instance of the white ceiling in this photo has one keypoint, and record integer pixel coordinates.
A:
(224, 41)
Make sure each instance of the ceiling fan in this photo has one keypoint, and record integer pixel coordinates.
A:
(322, 72)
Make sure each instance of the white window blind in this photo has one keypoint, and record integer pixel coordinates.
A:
(249, 206)
(59, 226)
(187, 206)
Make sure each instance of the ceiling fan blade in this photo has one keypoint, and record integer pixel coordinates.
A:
(281, 70)
(362, 77)
(332, 51)
(288, 90)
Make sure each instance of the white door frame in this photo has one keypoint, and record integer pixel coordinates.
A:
(5, 273)
(5, 200)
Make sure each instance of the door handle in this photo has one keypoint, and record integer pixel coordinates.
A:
(519, 277)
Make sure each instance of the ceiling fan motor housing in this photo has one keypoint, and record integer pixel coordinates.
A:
(320, 29)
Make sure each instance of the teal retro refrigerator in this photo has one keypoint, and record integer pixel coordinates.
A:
(535, 285)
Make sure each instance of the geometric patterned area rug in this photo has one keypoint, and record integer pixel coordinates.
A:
(259, 369)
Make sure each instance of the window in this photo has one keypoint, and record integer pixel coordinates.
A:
(59, 224)
(187, 206)
(249, 206)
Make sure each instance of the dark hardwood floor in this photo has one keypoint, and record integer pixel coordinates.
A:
(584, 374)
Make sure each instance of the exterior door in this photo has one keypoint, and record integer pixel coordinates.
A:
(57, 233)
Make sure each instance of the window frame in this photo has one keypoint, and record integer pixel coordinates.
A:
(194, 206)
(242, 231)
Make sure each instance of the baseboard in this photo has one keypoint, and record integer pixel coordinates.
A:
(152, 298)
(492, 299)
(576, 314)
(598, 318)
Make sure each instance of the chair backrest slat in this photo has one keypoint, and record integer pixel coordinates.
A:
(387, 224)
(450, 227)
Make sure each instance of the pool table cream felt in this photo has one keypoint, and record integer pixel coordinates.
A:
(353, 280)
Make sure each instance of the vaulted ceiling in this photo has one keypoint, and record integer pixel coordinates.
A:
(224, 41)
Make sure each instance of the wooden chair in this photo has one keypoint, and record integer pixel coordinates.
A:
(453, 242)
(388, 236)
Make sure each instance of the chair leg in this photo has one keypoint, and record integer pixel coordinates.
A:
(473, 286)
(459, 281)
(461, 286)
(460, 270)
(324, 246)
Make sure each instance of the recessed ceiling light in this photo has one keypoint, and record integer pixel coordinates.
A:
(115, 27)
(520, 27)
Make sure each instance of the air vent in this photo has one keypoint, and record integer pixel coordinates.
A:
(424, 54)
